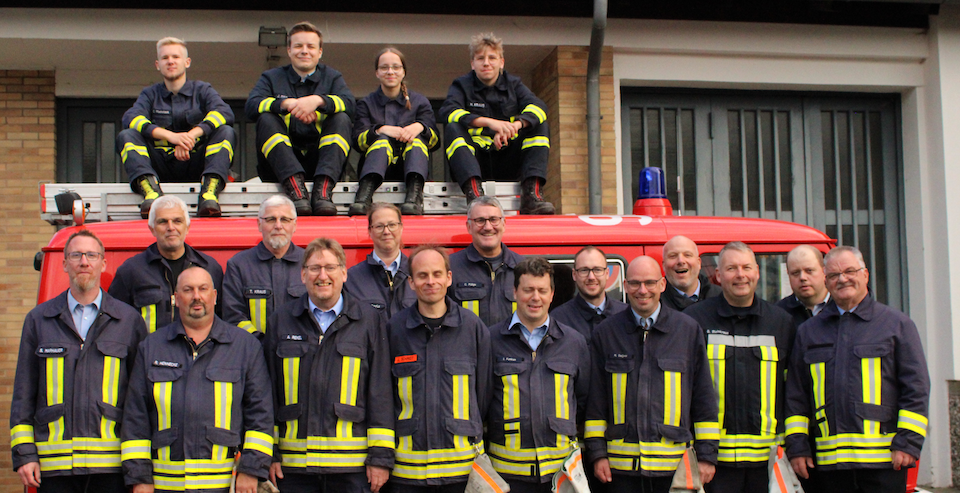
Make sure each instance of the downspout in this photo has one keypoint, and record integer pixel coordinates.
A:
(593, 106)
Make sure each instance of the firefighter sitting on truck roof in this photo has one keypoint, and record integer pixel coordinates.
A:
(303, 112)
(492, 112)
(261, 279)
(177, 131)
(147, 280)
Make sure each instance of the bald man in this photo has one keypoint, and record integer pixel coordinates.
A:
(809, 285)
(637, 355)
(685, 284)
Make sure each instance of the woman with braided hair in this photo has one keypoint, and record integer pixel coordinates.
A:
(394, 130)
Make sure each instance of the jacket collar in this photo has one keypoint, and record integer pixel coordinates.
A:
(500, 84)
(451, 319)
(186, 90)
(509, 258)
(381, 99)
(294, 77)
(727, 311)
(221, 332)
(152, 254)
(865, 310)
(294, 254)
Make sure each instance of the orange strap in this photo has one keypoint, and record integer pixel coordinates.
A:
(486, 478)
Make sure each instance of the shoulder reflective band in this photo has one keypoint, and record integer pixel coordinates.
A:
(149, 314)
(291, 392)
(162, 397)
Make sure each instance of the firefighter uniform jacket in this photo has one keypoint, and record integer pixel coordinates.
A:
(68, 392)
(507, 99)
(146, 283)
(280, 83)
(860, 381)
(370, 282)
(578, 314)
(196, 104)
(478, 288)
(377, 110)
(189, 410)
(537, 400)
(748, 362)
(257, 283)
(441, 386)
(647, 393)
(672, 298)
(330, 390)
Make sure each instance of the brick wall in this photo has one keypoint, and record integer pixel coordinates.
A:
(27, 156)
(561, 81)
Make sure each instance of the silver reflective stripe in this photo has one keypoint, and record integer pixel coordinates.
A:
(742, 341)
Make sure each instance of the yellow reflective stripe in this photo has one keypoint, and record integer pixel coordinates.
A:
(706, 430)
(415, 144)
(653, 456)
(461, 397)
(21, 434)
(536, 111)
(854, 448)
(562, 395)
(456, 115)
(272, 142)
(818, 375)
(671, 398)
(595, 428)
(362, 140)
(619, 397)
(405, 390)
(131, 147)
(797, 424)
(258, 316)
(215, 118)
(432, 141)
(456, 144)
(338, 105)
(259, 441)
(291, 391)
(511, 396)
(135, 449)
(110, 390)
(483, 141)
(349, 380)
(716, 353)
(472, 305)
(912, 421)
(222, 413)
(318, 123)
(149, 314)
(265, 105)
(871, 380)
(768, 389)
(535, 142)
(437, 463)
(513, 307)
(528, 461)
(512, 434)
(54, 367)
(381, 437)
(162, 396)
(248, 326)
(219, 146)
(746, 448)
(139, 122)
(337, 140)
(382, 144)
(192, 474)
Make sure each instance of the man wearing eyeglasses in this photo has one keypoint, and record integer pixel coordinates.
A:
(263, 278)
(76, 354)
(685, 285)
(655, 356)
(748, 343)
(382, 279)
(483, 272)
(329, 359)
(858, 378)
(591, 305)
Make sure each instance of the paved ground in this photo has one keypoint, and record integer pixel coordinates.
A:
(940, 490)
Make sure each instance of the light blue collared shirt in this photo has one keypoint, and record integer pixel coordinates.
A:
(325, 318)
(652, 318)
(393, 267)
(533, 337)
(598, 309)
(304, 78)
(695, 293)
(842, 311)
(84, 316)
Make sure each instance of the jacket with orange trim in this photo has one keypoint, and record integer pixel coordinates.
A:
(507, 99)
(478, 288)
(190, 408)
(377, 110)
(72, 398)
(330, 414)
(196, 104)
(845, 349)
(628, 402)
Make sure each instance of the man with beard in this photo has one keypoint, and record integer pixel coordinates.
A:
(267, 276)
(329, 362)
(180, 130)
(199, 393)
(382, 279)
(810, 294)
(147, 280)
(76, 353)
(591, 305)
(685, 285)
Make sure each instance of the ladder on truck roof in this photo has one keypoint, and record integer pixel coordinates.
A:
(103, 202)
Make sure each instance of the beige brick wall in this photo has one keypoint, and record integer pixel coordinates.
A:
(27, 156)
(561, 81)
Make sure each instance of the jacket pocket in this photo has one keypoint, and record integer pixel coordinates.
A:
(464, 427)
(290, 412)
(296, 290)
(675, 434)
(346, 412)
(147, 295)
(113, 413)
(615, 431)
(223, 436)
(469, 291)
(49, 414)
(562, 426)
(164, 438)
(231, 375)
(112, 348)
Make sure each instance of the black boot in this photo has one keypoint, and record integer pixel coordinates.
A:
(322, 198)
(472, 188)
(413, 203)
(368, 185)
(208, 204)
(531, 198)
(149, 187)
(296, 190)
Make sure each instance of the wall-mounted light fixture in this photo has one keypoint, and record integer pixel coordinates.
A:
(272, 37)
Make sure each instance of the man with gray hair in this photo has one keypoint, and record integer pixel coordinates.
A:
(179, 130)
(483, 272)
(858, 384)
(748, 343)
(147, 281)
(810, 295)
(263, 278)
